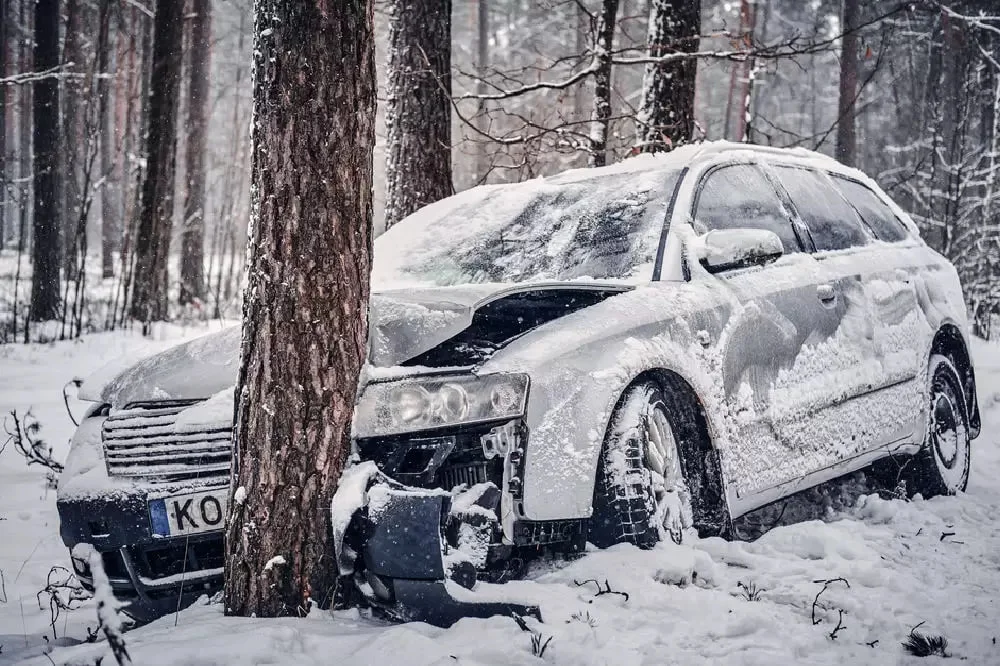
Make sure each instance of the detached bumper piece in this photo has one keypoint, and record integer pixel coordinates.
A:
(405, 566)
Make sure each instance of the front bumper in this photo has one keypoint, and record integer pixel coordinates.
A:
(403, 564)
(151, 575)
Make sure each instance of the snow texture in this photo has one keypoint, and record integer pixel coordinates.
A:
(932, 561)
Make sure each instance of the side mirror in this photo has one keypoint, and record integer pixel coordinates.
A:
(724, 249)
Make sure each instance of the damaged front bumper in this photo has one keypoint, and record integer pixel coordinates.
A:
(391, 541)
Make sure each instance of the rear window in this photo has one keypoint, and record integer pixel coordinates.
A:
(832, 222)
(873, 211)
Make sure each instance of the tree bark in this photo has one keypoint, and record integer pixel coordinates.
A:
(46, 224)
(73, 90)
(193, 237)
(5, 22)
(847, 147)
(306, 299)
(418, 106)
(26, 122)
(601, 112)
(152, 242)
(666, 116)
(111, 188)
(483, 152)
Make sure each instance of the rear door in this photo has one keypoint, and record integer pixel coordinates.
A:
(838, 407)
(898, 272)
(778, 348)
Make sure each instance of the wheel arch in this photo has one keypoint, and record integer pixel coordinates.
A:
(700, 460)
(948, 341)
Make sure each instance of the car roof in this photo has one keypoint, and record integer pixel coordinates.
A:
(689, 154)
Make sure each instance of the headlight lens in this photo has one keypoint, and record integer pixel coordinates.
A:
(421, 403)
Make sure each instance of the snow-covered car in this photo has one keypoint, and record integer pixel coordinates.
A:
(622, 354)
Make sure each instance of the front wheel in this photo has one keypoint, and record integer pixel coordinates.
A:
(640, 496)
(942, 465)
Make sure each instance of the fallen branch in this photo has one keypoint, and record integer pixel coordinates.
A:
(64, 594)
(605, 590)
(108, 618)
(826, 583)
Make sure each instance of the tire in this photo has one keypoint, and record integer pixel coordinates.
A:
(640, 496)
(942, 466)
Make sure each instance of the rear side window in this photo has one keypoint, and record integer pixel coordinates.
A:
(832, 222)
(739, 196)
(873, 210)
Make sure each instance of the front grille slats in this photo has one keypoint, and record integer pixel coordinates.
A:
(144, 439)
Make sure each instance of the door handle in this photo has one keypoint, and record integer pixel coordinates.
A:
(826, 294)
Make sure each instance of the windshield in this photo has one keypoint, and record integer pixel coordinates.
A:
(562, 228)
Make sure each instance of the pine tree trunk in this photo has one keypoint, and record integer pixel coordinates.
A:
(306, 301)
(111, 189)
(483, 147)
(45, 251)
(601, 113)
(5, 22)
(26, 123)
(418, 106)
(152, 242)
(193, 238)
(846, 131)
(72, 154)
(666, 117)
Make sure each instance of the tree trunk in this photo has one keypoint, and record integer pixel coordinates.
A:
(26, 122)
(483, 152)
(193, 238)
(45, 251)
(5, 23)
(601, 113)
(847, 147)
(418, 106)
(152, 242)
(305, 329)
(111, 188)
(666, 117)
(72, 153)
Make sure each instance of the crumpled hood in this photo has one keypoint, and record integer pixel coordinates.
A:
(403, 324)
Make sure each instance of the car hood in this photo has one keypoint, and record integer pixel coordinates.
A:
(403, 324)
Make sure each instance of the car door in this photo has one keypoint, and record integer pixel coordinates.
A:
(778, 341)
(856, 413)
(898, 272)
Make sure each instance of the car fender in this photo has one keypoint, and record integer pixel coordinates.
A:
(580, 365)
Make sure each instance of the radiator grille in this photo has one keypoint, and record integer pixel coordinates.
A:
(144, 439)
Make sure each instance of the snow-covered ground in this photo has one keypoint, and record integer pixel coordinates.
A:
(935, 563)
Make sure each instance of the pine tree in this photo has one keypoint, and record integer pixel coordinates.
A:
(193, 238)
(46, 219)
(152, 243)
(305, 328)
(601, 114)
(418, 106)
(666, 117)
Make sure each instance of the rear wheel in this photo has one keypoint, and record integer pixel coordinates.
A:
(942, 466)
(640, 496)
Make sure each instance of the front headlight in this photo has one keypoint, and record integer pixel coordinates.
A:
(422, 403)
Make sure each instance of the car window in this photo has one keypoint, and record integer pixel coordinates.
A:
(873, 210)
(832, 222)
(739, 196)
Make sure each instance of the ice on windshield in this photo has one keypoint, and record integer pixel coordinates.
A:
(562, 228)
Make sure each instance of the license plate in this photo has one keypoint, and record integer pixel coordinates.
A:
(191, 513)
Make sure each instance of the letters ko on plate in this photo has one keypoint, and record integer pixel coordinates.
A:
(188, 514)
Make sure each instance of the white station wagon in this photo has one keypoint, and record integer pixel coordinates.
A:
(623, 354)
